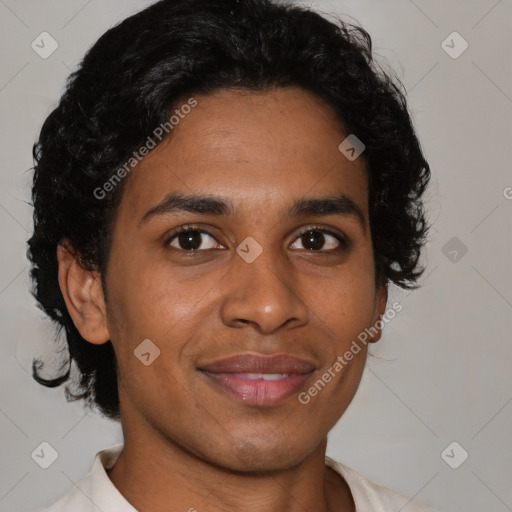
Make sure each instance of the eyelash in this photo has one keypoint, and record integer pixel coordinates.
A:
(344, 244)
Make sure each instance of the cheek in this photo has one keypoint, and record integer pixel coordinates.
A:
(154, 301)
(345, 303)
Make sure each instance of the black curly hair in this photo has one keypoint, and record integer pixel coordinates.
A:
(128, 84)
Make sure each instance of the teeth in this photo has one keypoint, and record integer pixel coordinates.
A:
(252, 376)
(264, 376)
(274, 376)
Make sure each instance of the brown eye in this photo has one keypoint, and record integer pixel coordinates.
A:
(319, 240)
(313, 240)
(192, 240)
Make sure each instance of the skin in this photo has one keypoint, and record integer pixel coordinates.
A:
(186, 442)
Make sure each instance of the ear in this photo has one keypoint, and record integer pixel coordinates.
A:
(83, 295)
(381, 299)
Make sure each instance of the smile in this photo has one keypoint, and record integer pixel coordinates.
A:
(258, 380)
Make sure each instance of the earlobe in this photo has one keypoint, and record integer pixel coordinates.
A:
(83, 295)
(381, 299)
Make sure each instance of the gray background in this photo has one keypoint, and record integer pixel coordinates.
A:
(441, 371)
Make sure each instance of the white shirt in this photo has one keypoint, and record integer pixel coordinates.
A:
(95, 492)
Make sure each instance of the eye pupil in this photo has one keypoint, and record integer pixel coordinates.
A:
(190, 240)
(313, 240)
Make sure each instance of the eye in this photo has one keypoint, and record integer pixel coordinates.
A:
(317, 239)
(191, 239)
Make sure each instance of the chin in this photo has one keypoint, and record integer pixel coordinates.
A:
(261, 456)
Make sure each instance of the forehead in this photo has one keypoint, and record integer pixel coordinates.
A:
(255, 149)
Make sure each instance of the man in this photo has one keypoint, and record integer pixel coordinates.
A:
(222, 197)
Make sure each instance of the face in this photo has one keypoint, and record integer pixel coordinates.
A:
(250, 295)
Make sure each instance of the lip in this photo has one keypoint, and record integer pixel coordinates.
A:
(241, 377)
(250, 362)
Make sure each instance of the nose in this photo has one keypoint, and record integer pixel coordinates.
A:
(263, 294)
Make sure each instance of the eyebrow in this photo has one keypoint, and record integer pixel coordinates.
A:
(176, 203)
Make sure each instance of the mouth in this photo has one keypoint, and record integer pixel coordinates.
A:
(256, 379)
